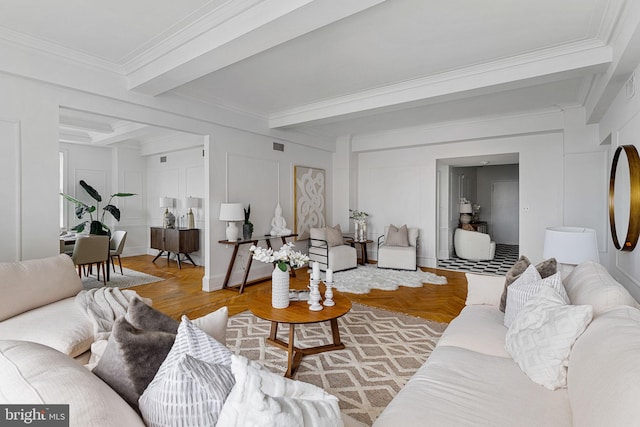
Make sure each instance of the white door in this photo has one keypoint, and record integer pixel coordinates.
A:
(504, 227)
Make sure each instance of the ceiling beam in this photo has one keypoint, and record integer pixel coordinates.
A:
(578, 59)
(253, 30)
(70, 122)
(123, 133)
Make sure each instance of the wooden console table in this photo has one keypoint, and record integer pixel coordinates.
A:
(176, 240)
(236, 245)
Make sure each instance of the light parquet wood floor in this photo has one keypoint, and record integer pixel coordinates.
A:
(181, 292)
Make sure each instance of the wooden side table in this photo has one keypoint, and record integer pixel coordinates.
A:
(236, 245)
(298, 313)
(364, 259)
(176, 240)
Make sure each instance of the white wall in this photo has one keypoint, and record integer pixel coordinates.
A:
(622, 123)
(245, 169)
(401, 187)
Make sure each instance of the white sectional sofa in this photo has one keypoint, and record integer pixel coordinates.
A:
(42, 329)
(38, 305)
(471, 380)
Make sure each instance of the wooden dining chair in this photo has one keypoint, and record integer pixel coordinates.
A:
(90, 250)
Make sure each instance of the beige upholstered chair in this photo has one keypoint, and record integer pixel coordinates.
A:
(90, 250)
(326, 246)
(398, 255)
(473, 245)
(116, 245)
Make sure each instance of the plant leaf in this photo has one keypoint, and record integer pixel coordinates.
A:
(73, 200)
(80, 227)
(91, 191)
(123, 194)
(282, 266)
(113, 211)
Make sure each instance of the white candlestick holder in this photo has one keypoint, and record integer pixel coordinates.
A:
(328, 294)
(314, 296)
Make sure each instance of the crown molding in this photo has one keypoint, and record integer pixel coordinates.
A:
(587, 54)
(173, 38)
(44, 47)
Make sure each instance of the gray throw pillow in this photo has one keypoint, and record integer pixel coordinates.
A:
(546, 268)
(142, 316)
(397, 236)
(132, 359)
(334, 236)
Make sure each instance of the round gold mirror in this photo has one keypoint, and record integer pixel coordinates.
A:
(624, 198)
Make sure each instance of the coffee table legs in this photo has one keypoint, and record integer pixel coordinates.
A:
(294, 354)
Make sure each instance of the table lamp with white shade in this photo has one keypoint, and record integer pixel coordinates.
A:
(465, 212)
(570, 246)
(191, 202)
(232, 212)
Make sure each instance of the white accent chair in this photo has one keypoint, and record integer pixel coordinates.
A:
(398, 257)
(473, 245)
(331, 252)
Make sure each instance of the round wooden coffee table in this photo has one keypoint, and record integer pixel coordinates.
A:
(296, 314)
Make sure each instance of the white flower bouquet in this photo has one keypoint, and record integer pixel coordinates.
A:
(358, 216)
(282, 258)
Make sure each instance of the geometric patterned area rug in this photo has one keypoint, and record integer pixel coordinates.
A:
(128, 279)
(366, 277)
(382, 351)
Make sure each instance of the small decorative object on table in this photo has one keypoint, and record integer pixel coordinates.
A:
(247, 227)
(314, 295)
(279, 224)
(328, 293)
(282, 259)
(360, 222)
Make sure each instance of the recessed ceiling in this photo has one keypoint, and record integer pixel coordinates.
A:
(333, 68)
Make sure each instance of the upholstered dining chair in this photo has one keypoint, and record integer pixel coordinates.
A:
(90, 250)
(116, 245)
(327, 247)
(397, 248)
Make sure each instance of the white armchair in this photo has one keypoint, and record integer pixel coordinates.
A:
(326, 246)
(398, 255)
(473, 245)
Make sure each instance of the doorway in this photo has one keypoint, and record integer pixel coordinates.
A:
(504, 212)
(490, 185)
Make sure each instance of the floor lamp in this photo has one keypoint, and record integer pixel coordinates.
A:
(570, 246)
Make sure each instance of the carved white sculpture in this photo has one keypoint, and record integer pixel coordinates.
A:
(279, 224)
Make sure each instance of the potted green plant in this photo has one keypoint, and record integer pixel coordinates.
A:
(96, 226)
(247, 227)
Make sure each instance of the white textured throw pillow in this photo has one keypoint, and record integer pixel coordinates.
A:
(262, 398)
(541, 337)
(527, 285)
(483, 289)
(186, 391)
